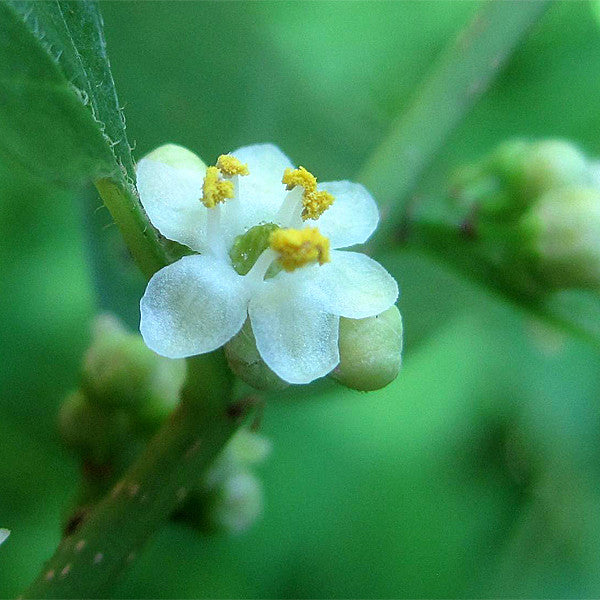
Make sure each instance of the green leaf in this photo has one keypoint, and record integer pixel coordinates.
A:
(59, 113)
(76, 30)
(45, 124)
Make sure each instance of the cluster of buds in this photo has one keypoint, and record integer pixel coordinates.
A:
(126, 393)
(542, 199)
(229, 498)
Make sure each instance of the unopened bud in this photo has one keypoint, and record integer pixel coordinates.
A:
(506, 181)
(176, 156)
(562, 233)
(245, 361)
(236, 504)
(370, 351)
(229, 497)
(550, 164)
(120, 370)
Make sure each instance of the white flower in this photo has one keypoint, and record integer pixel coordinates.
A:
(198, 303)
(4, 533)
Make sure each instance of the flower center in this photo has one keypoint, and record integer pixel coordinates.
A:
(249, 246)
(299, 247)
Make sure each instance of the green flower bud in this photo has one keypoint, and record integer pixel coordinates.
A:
(562, 233)
(245, 361)
(120, 370)
(248, 448)
(503, 184)
(176, 156)
(370, 351)
(95, 432)
(488, 186)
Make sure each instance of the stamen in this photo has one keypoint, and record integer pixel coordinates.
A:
(314, 203)
(215, 189)
(300, 247)
(230, 165)
(301, 177)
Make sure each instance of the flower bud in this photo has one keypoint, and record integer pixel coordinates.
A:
(504, 183)
(230, 507)
(92, 430)
(236, 504)
(370, 351)
(229, 498)
(248, 448)
(176, 156)
(120, 370)
(562, 233)
(245, 361)
(550, 164)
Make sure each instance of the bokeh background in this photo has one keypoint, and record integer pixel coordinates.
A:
(477, 473)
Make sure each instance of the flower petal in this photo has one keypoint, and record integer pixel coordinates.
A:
(170, 193)
(298, 341)
(352, 217)
(192, 306)
(351, 285)
(261, 192)
(4, 533)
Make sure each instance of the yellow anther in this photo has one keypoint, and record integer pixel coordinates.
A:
(214, 189)
(230, 165)
(301, 177)
(299, 247)
(315, 204)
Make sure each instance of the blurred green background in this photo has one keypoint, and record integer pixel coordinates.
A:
(477, 473)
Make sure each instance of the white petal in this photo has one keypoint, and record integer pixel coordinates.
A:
(171, 197)
(351, 285)
(192, 306)
(261, 193)
(4, 533)
(352, 217)
(296, 340)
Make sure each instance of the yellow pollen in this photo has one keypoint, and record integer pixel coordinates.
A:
(301, 177)
(230, 165)
(214, 189)
(299, 247)
(315, 204)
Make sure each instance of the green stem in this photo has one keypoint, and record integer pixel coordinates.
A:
(111, 535)
(137, 231)
(451, 88)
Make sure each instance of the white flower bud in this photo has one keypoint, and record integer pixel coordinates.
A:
(562, 232)
(550, 164)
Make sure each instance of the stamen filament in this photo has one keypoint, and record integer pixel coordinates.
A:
(259, 270)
